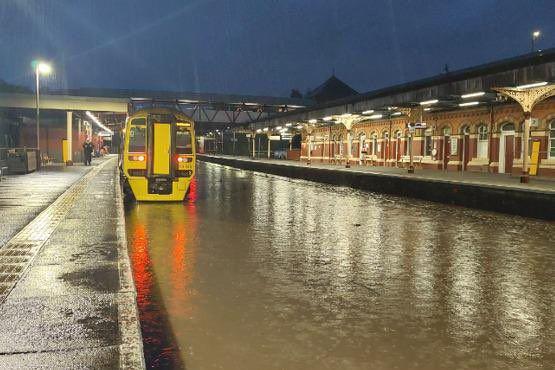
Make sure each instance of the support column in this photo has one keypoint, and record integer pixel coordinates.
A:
(69, 136)
(524, 177)
(308, 149)
(349, 144)
(269, 146)
(253, 145)
(411, 163)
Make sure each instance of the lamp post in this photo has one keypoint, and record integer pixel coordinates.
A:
(535, 35)
(44, 69)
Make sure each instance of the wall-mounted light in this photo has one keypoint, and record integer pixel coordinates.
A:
(473, 95)
(97, 121)
(535, 84)
(470, 103)
(429, 102)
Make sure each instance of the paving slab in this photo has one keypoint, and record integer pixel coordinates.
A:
(23, 197)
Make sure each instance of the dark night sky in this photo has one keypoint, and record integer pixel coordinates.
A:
(263, 47)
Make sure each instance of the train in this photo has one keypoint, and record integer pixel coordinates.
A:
(158, 157)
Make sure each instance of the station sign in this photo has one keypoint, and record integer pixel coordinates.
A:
(275, 137)
(415, 125)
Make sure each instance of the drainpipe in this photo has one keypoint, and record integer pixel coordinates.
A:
(329, 146)
(490, 133)
(389, 141)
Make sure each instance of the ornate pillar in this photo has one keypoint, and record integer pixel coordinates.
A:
(527, 98)
(253, 136)
(410, 113)
(309, 131)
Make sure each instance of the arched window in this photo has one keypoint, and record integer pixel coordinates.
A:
(374, 143)
(447, 131)
(552, 139)
(482, 141)
(465, 130)
(508, 127)
(398, 134)
(362, 142)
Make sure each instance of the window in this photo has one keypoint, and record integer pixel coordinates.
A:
(374, 143)
(362, 143)
(183, 142)
(340, 143)
(428, 143)
(508, 127)
(552, 139)
(447, 131)
(482, 141)
(137, 135)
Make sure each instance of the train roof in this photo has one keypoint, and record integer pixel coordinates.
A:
(179, 116)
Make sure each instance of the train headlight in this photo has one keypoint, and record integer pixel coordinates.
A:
(180, 159)
(137, 158)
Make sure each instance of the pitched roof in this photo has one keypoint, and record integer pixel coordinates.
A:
(333, 88)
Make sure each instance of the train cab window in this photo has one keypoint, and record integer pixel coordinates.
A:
(183, 142)
(137, 135)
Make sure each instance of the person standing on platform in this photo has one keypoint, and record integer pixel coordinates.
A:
(87, 151)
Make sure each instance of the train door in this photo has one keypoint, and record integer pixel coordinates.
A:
(161, 148)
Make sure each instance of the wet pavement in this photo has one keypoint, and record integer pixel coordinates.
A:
(255, 271)
(23, 197)
(67, 299)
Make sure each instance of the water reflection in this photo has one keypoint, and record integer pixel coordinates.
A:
(262, 272)
(161, 250)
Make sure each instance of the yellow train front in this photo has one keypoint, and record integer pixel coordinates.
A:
(159, 154)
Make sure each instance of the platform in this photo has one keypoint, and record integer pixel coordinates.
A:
(492, 192)
(67, 298)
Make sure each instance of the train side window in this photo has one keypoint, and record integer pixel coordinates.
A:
(183, 142)
(137, 135)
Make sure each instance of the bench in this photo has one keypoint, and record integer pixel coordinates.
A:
(369, 158)
(337, 159)
(416, 159)
(45, 159)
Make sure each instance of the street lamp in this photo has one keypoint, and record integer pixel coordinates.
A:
(535, 35)
(44, 69)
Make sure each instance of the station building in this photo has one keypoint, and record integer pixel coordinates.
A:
(469, 124)
(487, 139)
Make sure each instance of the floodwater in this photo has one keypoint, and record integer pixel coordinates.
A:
(261, 272)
